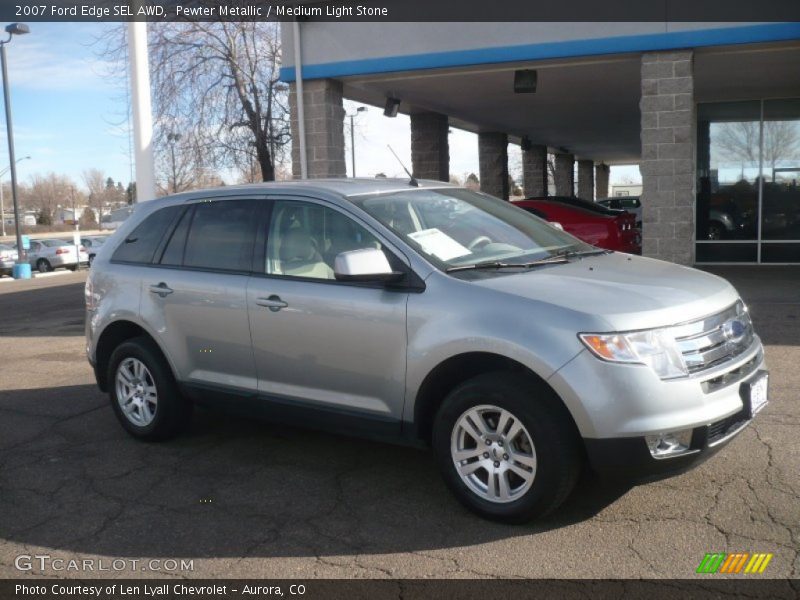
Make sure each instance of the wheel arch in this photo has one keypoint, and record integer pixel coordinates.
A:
(114, 334)
(451, 372)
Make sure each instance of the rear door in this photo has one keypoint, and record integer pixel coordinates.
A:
(319, 342)
(195, 295)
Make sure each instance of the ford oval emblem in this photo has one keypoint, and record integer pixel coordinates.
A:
(734, 330)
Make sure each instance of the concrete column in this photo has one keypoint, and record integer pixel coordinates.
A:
(601, 173)
(493, 159)
(565, 174)
(534, 171)
(430, 150)
(668, 156)
(324, 129)
(586, 179)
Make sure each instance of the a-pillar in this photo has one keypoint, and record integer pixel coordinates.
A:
(534, 171)
(324, 121)
(586, 179)
(493, 160)
(430, 150)
(565, 174)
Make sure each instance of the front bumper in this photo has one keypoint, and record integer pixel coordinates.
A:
(615, 406)
(630, 458)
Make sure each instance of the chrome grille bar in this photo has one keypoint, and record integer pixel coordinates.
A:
(713, 340)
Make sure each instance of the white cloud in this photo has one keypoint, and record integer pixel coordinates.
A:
(37, 65)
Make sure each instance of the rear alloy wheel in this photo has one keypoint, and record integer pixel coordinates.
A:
(143, 391)
(43, 265)
(136, 392)
(507, 447)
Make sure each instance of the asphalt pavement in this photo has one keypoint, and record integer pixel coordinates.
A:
(241, 498)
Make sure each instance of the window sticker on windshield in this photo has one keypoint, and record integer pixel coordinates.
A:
(439, 244)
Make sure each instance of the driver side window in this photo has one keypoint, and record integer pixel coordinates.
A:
(305, 238)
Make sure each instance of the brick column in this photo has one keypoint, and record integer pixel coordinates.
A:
(324, 114)
(534, 171)
(493, 159)
(668, 153)
(586, 180)
(601, 173)
(565, 174)
(430, 151)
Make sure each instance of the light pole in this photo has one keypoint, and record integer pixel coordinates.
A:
(12, 30)
(2, 206)
(352, 136)
(171, 139)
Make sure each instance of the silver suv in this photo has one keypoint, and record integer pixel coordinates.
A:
(426, 313)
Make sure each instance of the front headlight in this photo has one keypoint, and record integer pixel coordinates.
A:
(655, 348)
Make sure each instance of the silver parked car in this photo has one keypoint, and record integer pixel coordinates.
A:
(50, 254)
(428, 313)
(92, 244)
(8, 258)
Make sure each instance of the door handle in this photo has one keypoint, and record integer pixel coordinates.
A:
(274, 303)
(162, 289)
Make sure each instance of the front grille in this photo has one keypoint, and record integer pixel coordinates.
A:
(716, 339)
(719, 430)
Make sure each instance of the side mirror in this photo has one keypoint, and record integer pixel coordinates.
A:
(367, 265)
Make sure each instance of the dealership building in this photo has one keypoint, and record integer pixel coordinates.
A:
(709, 111)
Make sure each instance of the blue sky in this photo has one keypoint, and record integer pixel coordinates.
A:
(64, 105)
(67, 114)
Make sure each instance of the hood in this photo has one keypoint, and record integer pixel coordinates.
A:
(629, 292)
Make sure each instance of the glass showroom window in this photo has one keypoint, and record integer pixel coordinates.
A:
(748, 167)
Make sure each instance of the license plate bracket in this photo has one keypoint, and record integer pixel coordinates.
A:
(755, 393)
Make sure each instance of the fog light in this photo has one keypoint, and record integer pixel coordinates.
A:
(667, 445)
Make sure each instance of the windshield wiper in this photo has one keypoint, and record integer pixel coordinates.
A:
(568, 253)
(496, 264)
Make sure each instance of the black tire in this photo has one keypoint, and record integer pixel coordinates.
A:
(43, 265)
(173, 411)
(91, 260)
(555, 440)
(716, 231)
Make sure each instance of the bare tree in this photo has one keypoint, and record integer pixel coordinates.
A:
(45, 193)
(95, 182)
(740, 141)
(217, 84)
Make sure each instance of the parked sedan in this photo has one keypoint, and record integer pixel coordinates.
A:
(632, 204)
(46, 255)
(8, 256)
(92, 244)
(600, 226)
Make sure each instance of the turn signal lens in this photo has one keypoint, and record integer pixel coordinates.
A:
(655, 348)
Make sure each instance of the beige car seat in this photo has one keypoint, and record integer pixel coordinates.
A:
(300, 258)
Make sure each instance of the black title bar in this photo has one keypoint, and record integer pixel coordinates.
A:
(401, 10)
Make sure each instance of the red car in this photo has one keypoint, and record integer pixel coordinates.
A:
(593, 223)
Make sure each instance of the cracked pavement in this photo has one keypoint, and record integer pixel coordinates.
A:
(249, 499)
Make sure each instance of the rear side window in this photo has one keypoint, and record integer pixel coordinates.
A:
(141, 243)
(222, 236)
(173, 253)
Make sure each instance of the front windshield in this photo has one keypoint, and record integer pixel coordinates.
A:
(455, 227)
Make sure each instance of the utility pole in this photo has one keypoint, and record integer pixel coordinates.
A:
(352, 136)
(142, 111)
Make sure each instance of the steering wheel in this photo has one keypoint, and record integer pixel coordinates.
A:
(481, 240)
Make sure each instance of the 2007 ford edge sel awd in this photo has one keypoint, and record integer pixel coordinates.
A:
(425, 312)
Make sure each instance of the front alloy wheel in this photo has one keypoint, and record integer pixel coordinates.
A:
(506, 446)
(493, 453)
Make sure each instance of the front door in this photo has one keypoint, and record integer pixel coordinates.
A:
(318, 342)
